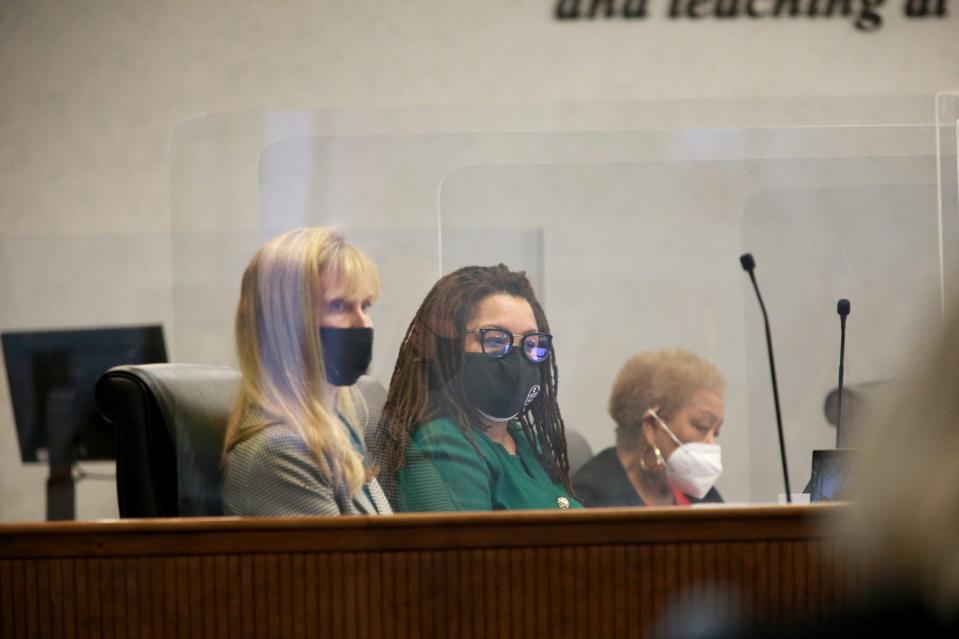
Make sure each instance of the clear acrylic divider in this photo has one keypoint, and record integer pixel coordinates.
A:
(631, 239)
(947, 182)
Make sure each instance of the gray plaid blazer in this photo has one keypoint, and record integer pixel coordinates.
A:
(273, 474)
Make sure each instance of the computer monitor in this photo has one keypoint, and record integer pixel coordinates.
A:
(52, 375)
(831, 473)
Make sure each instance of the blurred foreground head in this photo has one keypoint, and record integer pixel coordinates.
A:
(908, 484)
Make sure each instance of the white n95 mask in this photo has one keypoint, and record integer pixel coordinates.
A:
(692, 468)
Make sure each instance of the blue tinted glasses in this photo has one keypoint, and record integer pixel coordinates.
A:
(497, 342)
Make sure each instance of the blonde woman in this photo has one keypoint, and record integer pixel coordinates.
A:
(303, 336)
(668, 409)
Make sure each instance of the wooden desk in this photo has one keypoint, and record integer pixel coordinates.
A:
(528, 574)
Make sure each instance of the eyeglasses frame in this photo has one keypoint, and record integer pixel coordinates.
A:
(512, 344)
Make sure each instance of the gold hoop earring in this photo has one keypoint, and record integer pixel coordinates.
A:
(660, 462)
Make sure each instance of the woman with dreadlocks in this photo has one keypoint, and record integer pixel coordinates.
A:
(471, 420)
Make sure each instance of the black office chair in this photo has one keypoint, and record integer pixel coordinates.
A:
(578, 450)
(170, 421)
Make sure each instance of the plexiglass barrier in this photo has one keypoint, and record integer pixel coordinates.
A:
(630, 238)
(947, 183)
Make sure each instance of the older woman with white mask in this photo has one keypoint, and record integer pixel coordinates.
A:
(668, 409)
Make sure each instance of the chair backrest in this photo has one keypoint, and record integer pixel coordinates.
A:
(578, 450)
(170, 422)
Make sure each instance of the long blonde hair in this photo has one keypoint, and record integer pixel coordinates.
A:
(279, 351)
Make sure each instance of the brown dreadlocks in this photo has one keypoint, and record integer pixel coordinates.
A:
(426, 383)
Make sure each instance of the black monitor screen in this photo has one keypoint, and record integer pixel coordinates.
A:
(52, 375)
(830, 474)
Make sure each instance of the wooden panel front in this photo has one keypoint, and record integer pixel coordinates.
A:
(593, 573)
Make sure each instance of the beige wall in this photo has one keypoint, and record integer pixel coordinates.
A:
(91, 93)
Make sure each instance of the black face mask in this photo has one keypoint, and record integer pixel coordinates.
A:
(346, 353)
(500, 387)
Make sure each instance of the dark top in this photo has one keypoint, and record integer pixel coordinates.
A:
(445, 471)
(602, 482)
(895, 613)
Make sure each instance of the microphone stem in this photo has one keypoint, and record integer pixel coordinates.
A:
(772, 370)
(842, 357)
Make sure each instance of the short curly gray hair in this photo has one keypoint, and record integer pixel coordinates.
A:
(666, 380)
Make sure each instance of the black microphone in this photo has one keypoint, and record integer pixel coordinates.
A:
(842, 307)
(748, 263)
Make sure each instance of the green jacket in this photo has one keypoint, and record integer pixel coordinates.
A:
(444, 471)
